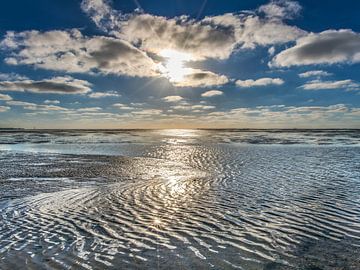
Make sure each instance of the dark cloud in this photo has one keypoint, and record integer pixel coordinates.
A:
(56, 85)
(201, 78)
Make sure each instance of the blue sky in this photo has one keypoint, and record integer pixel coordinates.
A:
(176, 64)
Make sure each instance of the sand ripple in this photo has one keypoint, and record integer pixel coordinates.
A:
(193, 207)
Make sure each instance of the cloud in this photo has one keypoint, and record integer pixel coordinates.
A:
(55, 85)
(34, 106)
(51, 101)
(148, 112)
(328, 47)
(212, 37)
(101, 13)
(4, 108)
(172, 98)
(11, 76)
(122, 106)
(104, 94)
(317, 73)
(271, 51)
(251, 30)
(184, 106)
(326, 85)
(212, 93)
(5, 97)
(281, 116)
(201, 78)
(19, 103)
(90, 109)
(259, 82)
(72, 52)
(281, 9)
(203, 107)
(136, 40)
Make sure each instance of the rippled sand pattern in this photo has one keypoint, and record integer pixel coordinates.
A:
(183, 205)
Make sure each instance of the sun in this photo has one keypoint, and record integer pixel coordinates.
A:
(174, 68)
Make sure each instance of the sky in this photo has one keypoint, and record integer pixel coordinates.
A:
(179, 64)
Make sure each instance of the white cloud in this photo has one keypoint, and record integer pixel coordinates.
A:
(90, 109)
(259, 82)
(212, 93)
(19, 103)
(184, 106)
(11, 76)
(281, 9)
(317, 73)
(138, 39)
(148, 112)
(251, 30)
(271, 51)
(101, 13)
(328, 47)
(122, 106)
(4, 108)
(55, 85)
(51, 101)
(5, 97)
(283, 116)
(203, 107)
(326, 85)
(212, 37)
(172, 98)
(104, 94)
(34, 106)
(70, 51)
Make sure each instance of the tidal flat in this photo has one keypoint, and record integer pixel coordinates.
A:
(180, 199)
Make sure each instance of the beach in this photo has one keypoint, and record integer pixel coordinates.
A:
(180, 199)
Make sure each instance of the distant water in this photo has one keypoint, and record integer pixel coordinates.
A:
(180, 199)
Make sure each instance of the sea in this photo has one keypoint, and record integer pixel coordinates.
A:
(180, 199)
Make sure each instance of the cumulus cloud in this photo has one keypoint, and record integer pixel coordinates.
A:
(136, 41)
(55, 85)
(328, 47)
(200, 78)
(172, 98)
(259, 82)
(314, 73)
(212, 93)
(5, 97)
(4, 108)
(212, 37)
(281, 9)
(104, 94)
(326, 85)
(70, 51)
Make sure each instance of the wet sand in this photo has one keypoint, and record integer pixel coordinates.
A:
(180, 203)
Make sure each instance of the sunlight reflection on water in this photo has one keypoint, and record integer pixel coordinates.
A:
(183, 205)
